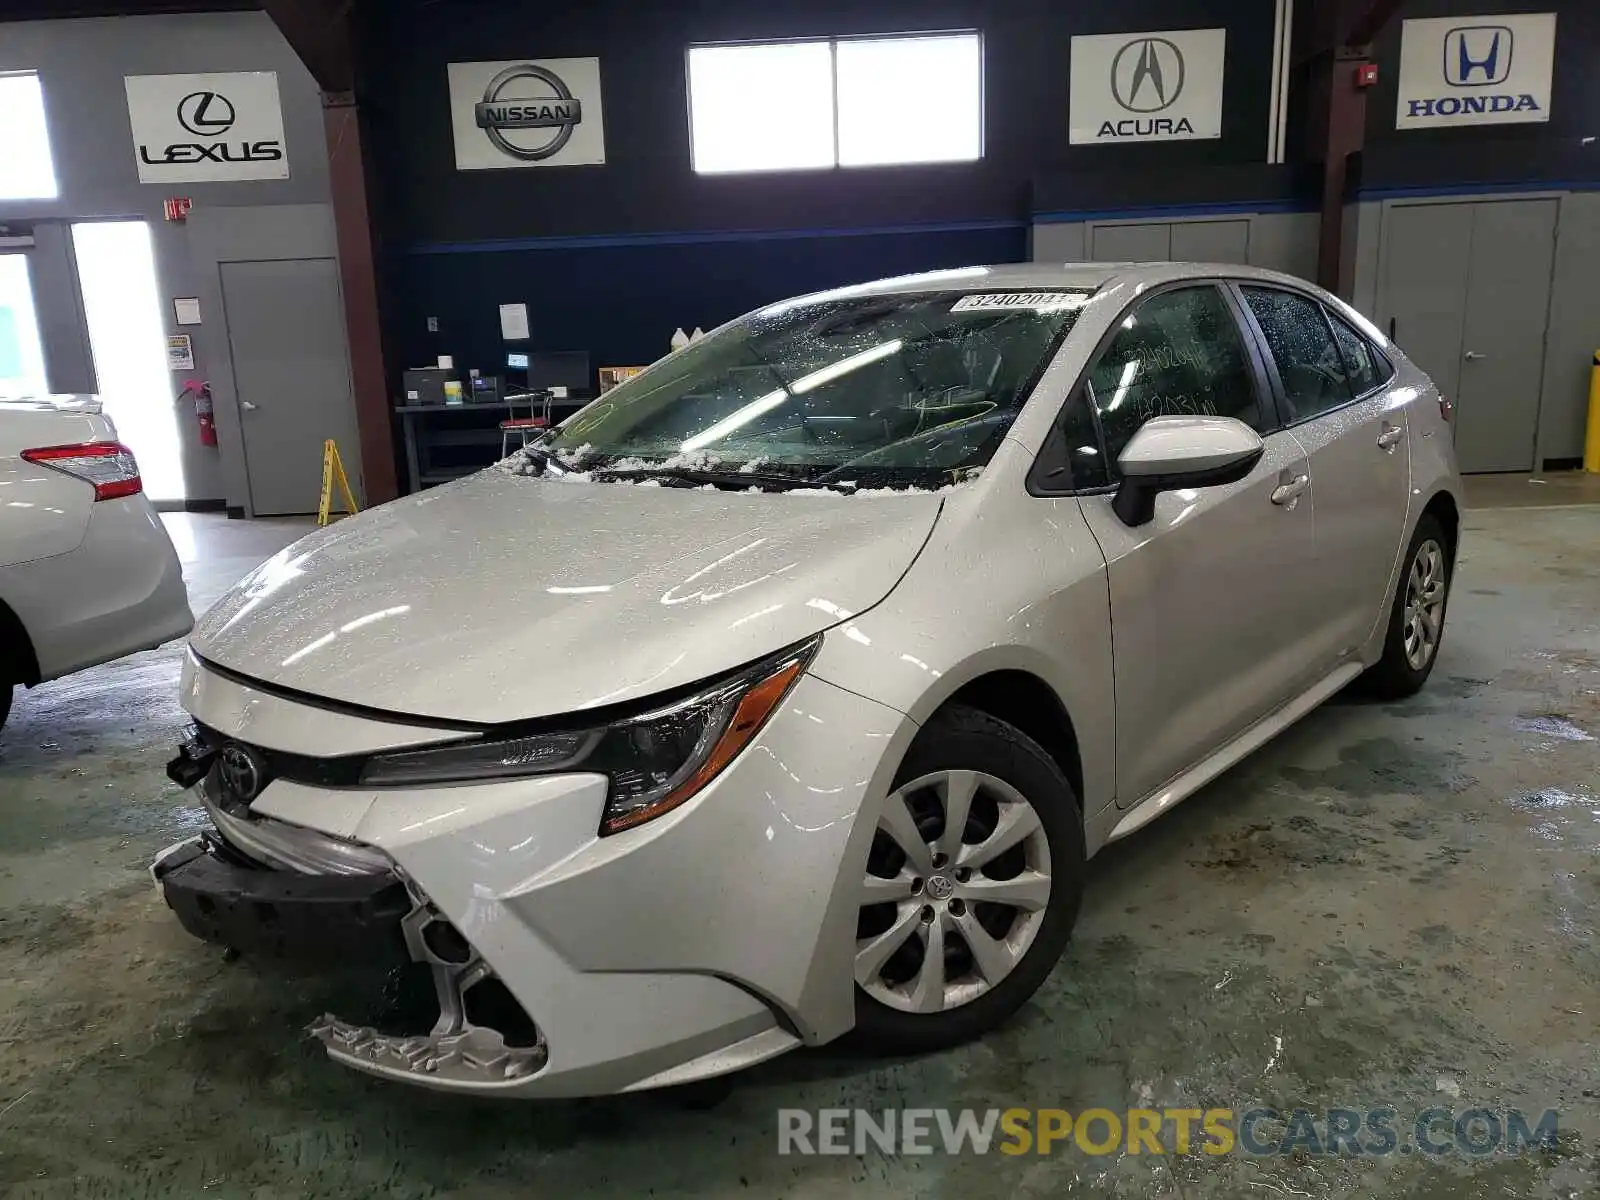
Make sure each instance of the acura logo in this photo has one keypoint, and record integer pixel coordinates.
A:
(206, 114)
(508, 105)
(1477, 54)
(243, 775)
(1147, 75)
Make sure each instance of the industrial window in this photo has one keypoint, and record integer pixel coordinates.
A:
(854, 102)
(26, 170)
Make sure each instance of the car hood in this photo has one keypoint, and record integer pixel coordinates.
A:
(500, 598)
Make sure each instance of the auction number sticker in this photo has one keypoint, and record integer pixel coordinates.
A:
(1036, 300)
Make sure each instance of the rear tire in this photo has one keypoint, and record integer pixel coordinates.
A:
(996, 900)
(1416, 618)
(5, 702)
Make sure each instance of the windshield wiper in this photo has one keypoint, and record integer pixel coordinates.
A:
(739, 480)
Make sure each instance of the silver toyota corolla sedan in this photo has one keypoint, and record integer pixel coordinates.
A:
(783, 692)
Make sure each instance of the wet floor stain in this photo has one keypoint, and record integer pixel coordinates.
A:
(1553, 725)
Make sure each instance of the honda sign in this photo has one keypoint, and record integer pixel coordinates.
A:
(207, 128)
(1490, 70)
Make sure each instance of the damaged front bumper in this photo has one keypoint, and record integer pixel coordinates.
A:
(378, 919)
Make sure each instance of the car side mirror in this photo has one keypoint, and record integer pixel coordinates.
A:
(1181, 452)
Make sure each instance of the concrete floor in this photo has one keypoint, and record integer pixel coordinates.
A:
(1388, 906)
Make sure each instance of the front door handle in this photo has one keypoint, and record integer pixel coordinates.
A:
(1390, 437)
(1288, 491)
(1473, 356)
(247, 406)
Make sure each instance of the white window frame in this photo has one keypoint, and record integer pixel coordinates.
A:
(833, 44)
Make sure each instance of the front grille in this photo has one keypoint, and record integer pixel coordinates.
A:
(343, 772)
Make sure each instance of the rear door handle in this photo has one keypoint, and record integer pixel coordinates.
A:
(1287, 492)
(1390, 437)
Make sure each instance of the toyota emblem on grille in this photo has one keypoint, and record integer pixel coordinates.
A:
(243, 775)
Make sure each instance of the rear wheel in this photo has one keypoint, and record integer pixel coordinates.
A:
(1416, 622)
(972, 886)
(5, 703)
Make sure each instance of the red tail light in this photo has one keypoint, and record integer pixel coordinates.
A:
(1446, 409)
(109, 467)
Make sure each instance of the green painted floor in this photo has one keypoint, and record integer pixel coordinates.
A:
(1390, 907)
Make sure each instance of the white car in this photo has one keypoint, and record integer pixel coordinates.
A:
(783, 691)
(87, 573)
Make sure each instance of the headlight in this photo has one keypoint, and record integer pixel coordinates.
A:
(655, 761)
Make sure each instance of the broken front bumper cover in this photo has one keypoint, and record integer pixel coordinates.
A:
(222, 896)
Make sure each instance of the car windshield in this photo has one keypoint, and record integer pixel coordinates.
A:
(900, 390)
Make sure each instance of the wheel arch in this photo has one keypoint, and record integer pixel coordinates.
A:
(1026, 702)
(19, 662)
(1445, 509)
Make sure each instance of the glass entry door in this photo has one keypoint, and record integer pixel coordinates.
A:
(21, 356)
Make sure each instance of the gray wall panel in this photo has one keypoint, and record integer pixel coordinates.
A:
(1058, 241)
(68, 364)
(81, 64)
(1285, 242)
(1574, 329)
(1225, 241)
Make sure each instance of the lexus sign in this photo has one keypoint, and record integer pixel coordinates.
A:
(527, 113)
(1147, 87)
(1479, 70)
(208, 128)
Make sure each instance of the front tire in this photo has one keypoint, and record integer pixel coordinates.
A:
(6, 691)
(1416, 620)
(972, 886)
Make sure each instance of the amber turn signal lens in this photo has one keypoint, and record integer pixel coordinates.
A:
(753, 709)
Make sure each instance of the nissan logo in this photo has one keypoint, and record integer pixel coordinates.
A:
(243, 775)
(206, 114)
(508, 106)
(1147, 75)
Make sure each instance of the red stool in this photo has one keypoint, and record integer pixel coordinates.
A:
(521, 426)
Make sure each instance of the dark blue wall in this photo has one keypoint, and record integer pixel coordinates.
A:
(611, 259)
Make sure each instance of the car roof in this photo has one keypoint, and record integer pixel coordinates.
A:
(1091, 275)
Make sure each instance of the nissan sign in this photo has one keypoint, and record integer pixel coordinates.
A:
(1143, 87)
(218, 127)
(528, 113)
(1481, 70)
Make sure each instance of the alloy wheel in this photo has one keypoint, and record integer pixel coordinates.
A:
(1424, 611)
(958, 882)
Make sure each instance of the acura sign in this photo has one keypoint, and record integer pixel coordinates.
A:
(208, 128)
(1147, 87)
(1491, 70)
(527, 113)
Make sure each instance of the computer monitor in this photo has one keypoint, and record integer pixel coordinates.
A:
(517, 362)
(561, 368)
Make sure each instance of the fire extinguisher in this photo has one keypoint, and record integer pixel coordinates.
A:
(201, 391)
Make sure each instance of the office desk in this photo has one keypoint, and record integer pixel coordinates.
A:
(447, 441)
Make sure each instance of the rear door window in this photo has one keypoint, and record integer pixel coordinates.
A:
(1310, 365)
(1364, 369)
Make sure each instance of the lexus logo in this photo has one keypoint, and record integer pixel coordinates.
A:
(528, 97)
(1147, 75)
(206, 114)
(243, 774)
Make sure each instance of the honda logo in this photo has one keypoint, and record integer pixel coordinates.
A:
(1147, 75)
(1475, 55)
